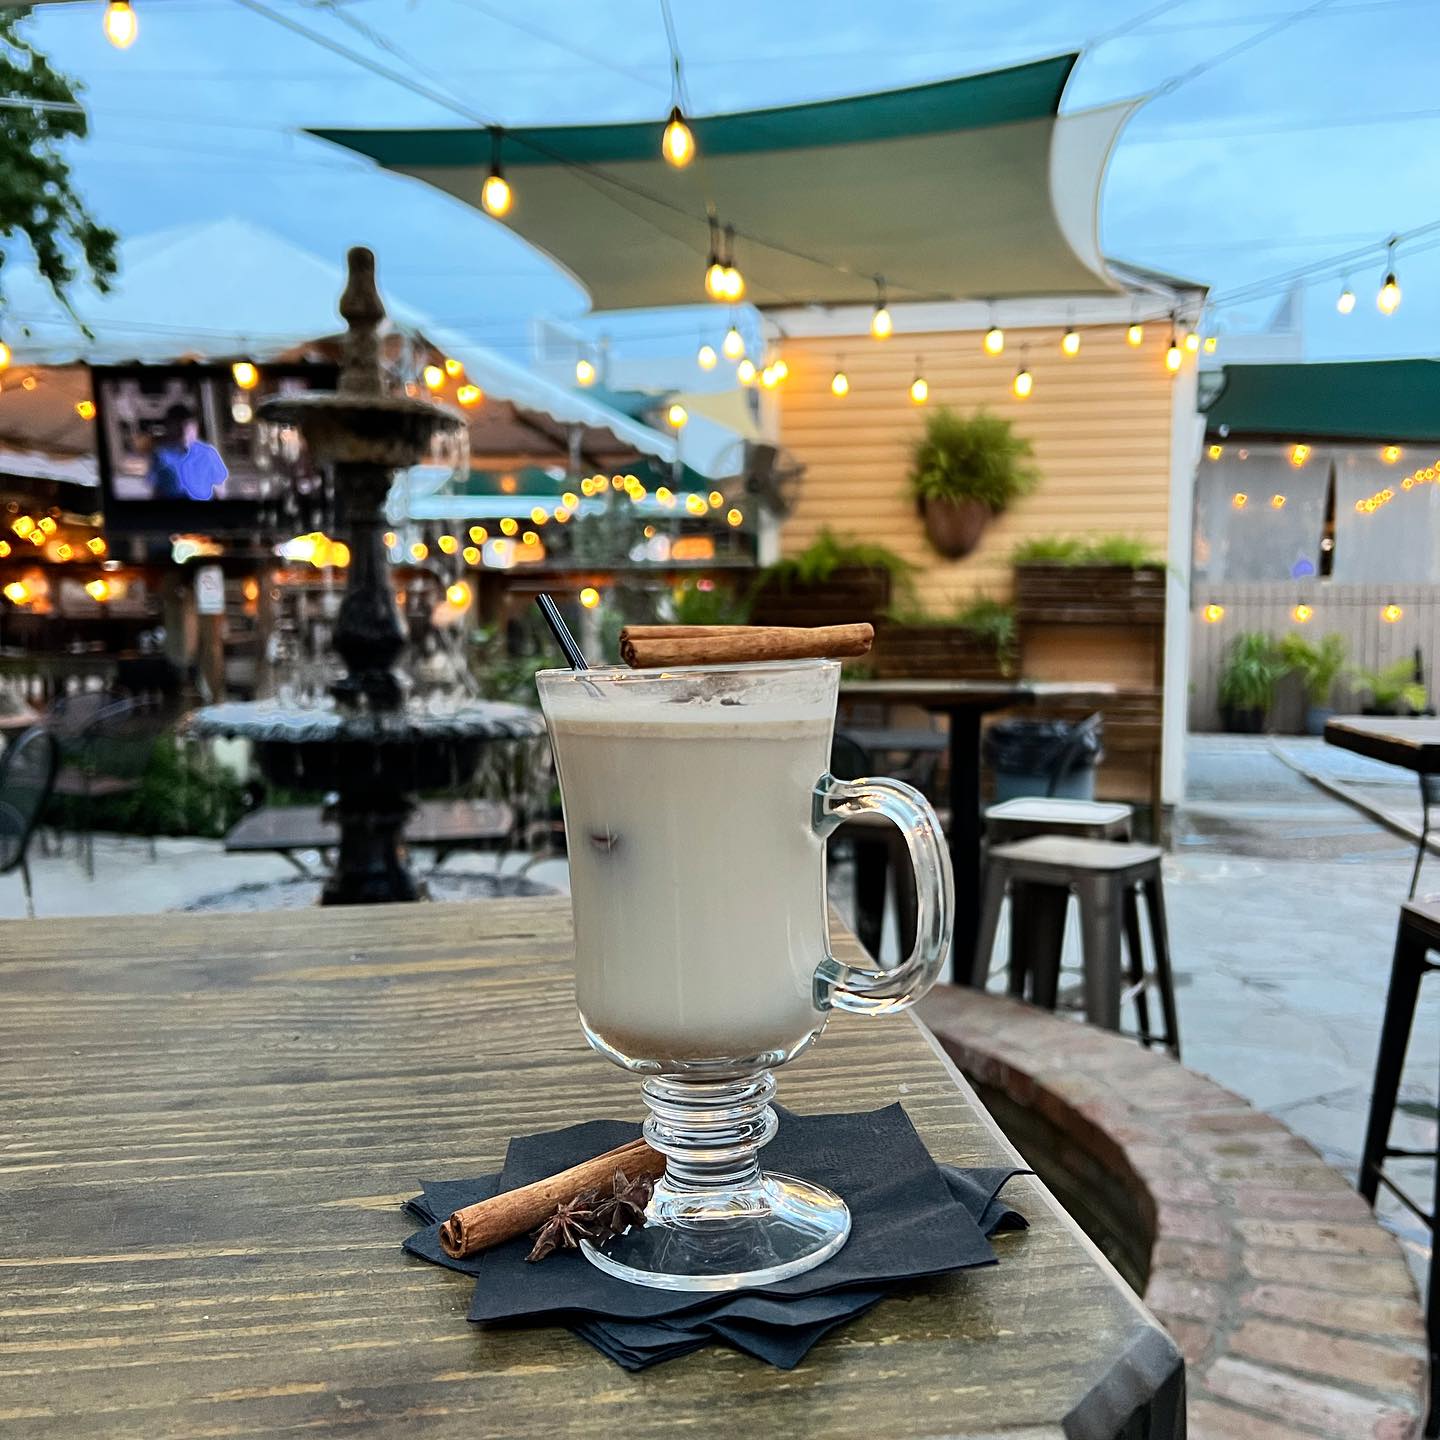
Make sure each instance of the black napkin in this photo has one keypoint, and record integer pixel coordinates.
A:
(910, 1218)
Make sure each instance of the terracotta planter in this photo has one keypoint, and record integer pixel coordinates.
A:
(846, 597)
(1090, 594)
(954, 527)
(931, 652)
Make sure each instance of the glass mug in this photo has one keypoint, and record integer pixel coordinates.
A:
(697, 803)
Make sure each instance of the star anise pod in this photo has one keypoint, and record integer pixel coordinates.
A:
(573, 1221)
(625, 1206)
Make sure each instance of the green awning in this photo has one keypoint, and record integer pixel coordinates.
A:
(973, 187)
(1374, 401)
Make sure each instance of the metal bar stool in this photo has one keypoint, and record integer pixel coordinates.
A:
(1037, 914)
(1418, 934)
(1108, 879)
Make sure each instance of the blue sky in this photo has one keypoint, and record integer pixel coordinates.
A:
(1319, 140)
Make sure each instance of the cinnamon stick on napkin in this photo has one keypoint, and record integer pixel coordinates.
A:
(516, 1212)
(648, 646)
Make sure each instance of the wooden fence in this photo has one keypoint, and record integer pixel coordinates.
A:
(1354, 611)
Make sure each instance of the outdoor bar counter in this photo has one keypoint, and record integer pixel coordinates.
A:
(210, 1125)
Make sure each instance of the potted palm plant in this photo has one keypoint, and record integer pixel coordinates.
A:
(1318, 664)
(1393, 690)
(965, 469)
(1247, 682)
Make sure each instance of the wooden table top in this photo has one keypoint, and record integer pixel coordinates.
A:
(210, 1122)
(1411, 741)
(986, 694)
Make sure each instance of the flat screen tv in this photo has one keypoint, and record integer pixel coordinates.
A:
(177, 448)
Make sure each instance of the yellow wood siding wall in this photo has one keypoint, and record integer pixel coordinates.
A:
(1100, 425)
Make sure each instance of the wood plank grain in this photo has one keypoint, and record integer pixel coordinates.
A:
(209, 1122)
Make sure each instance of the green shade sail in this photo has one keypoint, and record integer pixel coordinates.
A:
(972, 187)
(1363, 400)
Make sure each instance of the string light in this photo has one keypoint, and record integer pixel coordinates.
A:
(470, 555)
(1277, 502)
(1211, 344)
(1391, 613)
(589, 597)
(1215, 451)
(1299, 454)
(246, 376)
(1390, 454)
(706, 358)
(715, 280)
(1213, 614)
(495, 194)
(1135, 335)
(469, 395)
(1174, 356)
(584, 372)
(745, 372)
(882, 326)
(695, 504)
(458, 595)
(769, 377)
(419, 550)
(733, 280)
(4, 548)
(994, 341)
(1346, 301)
(1023, 383)
(1388, 300)
(529, 538)
(677, 416)
(570, 500)
(733, 345)
(1239, 500)
(434, 377)
(734, 518)
(478, 533)
(782, 370)
(1302, 614)
(453, 368)
(1070, 342)
(508, 526)
(716, 499)
(448, 544)
(85, 409)
(678, 144)
(96, 545)
(1192, 341)
(16, 593)
(389, 538)
(839, 383)
(120, 24)
(539, 516)
(919, 387)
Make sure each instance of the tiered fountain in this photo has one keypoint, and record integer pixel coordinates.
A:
(368, 748)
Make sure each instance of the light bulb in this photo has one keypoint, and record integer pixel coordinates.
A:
(1388, 300)
(1302, 614)
(247, 377)
(882, 326)
(1211, 344)
(745, 372)
(1023, 384)
(707, 358)
(1213, 613)
(85, 409)
(1346, 303)
(584, 372)
(495, 194)
(1192, 341)
(470, 555)
(919, 390)
(433, 376)
(1215, 451)
(1391, 613)
(677, 415)
(448, 544)
(98, 590)
(1135, 335)
(469, 395)
(1299, 454)
(1174, 356)
(768, 377)
(678, 144)
(695, 504)
(734, 283)
(715, 279)
(1070, 342)
(994, 341)
(1239, 500)
(508, 526)
(716, 499)
(539, 516)
(734, 518)
(839, 383)
(589, 597)
(458, 595)
(1390, 454)
(733, 345)
(570, 500)
(120, 24)
(782, 370)
(479, 534)
(1277, 502)
(5, 356)
(419, 550)
(453, 368)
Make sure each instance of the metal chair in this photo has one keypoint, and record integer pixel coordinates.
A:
(1109, 879)
(27, 777)
(1416, 938)
(1429, 795)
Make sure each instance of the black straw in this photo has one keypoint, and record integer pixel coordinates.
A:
(561, 631)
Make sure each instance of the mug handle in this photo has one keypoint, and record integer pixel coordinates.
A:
(878, 992)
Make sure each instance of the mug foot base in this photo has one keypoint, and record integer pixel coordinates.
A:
(780, 1228)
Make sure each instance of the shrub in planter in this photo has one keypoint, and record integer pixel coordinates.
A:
(1107, 579)
(975, 643)
(1247, 682)
(964, 469)
(1318, 664)
(1393, 690)
(834, 581)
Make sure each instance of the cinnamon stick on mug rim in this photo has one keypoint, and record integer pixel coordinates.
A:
(644, 647)
(517, 1212)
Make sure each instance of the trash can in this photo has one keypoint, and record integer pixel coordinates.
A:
(1055, 758)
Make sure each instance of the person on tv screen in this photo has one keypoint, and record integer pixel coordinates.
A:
(183, 466)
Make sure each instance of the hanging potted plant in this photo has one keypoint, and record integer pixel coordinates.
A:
(965, 469)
